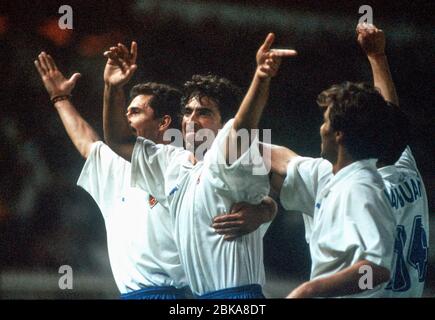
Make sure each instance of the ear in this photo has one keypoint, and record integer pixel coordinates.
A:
(165, 123)
(339, 137)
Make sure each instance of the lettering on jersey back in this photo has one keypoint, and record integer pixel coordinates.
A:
(406, 192)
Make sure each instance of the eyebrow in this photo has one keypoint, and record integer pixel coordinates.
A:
(199, 108)
(133, 108)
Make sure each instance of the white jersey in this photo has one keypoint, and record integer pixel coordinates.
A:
(407, 196)
(195, 194)
(140, 242)
(351, 220)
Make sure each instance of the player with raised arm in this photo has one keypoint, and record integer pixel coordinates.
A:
(351, 223)
(142, 252)
(196, 189)
(405, 188)
(404, 185)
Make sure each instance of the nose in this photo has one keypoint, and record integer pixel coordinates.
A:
(128, 114)
(192, 119)
(191, 124)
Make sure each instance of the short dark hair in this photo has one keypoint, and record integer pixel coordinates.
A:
(165, 99)
(398, 135)
(226, 94)
(361, 113)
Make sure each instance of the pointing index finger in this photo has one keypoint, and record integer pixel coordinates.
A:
(283, 53)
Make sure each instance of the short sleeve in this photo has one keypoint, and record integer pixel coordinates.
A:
(246, 178)
(305, 176)
(104, 175)
(150, 165)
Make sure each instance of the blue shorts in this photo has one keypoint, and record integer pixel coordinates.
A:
(252, 291)
(157, 293)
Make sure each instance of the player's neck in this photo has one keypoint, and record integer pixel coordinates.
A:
(343, 160)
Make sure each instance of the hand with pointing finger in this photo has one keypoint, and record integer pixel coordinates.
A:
(269, 60)
(121, 64)
(54, 81)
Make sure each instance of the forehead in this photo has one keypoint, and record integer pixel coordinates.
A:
(203, 103)
(141, 101)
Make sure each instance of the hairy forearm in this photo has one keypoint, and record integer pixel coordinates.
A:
(251, 108)
(343, 283)
(382, 78)
(249, 114)
(117, 133)
(278, 158)
(115, 125)
(80, 132)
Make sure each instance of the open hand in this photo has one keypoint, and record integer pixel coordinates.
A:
(54, 81)
(121, 64)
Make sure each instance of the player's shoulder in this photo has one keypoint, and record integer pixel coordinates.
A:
(101, 151)
(312, 166)
(364, 188)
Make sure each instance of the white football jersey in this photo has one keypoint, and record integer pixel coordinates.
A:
(195, 194)
(350, 219)
(142, 250)
(408, 199)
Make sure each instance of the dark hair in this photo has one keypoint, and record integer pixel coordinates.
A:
(165, 99)
(227, 95)
(361, 113)
(397, 137)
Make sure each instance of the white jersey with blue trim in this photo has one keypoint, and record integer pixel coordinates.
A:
(142, 250)
(195, 194)
(408, 199)
(348, 215)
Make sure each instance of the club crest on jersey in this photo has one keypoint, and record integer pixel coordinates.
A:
(152, 201)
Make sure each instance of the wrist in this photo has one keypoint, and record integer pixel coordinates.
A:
(262, 77)
(377, 56)
(60, 97)
(112, 86)
(270, 207)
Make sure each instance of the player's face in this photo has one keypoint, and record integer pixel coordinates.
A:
(329, 147)
(200, 114)
(141, 118)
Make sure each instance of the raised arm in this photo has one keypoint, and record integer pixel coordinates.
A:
(372, 41)
(59, 89)
(268, 62)
(120, 67)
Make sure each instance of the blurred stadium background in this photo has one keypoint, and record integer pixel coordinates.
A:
(46, 221)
